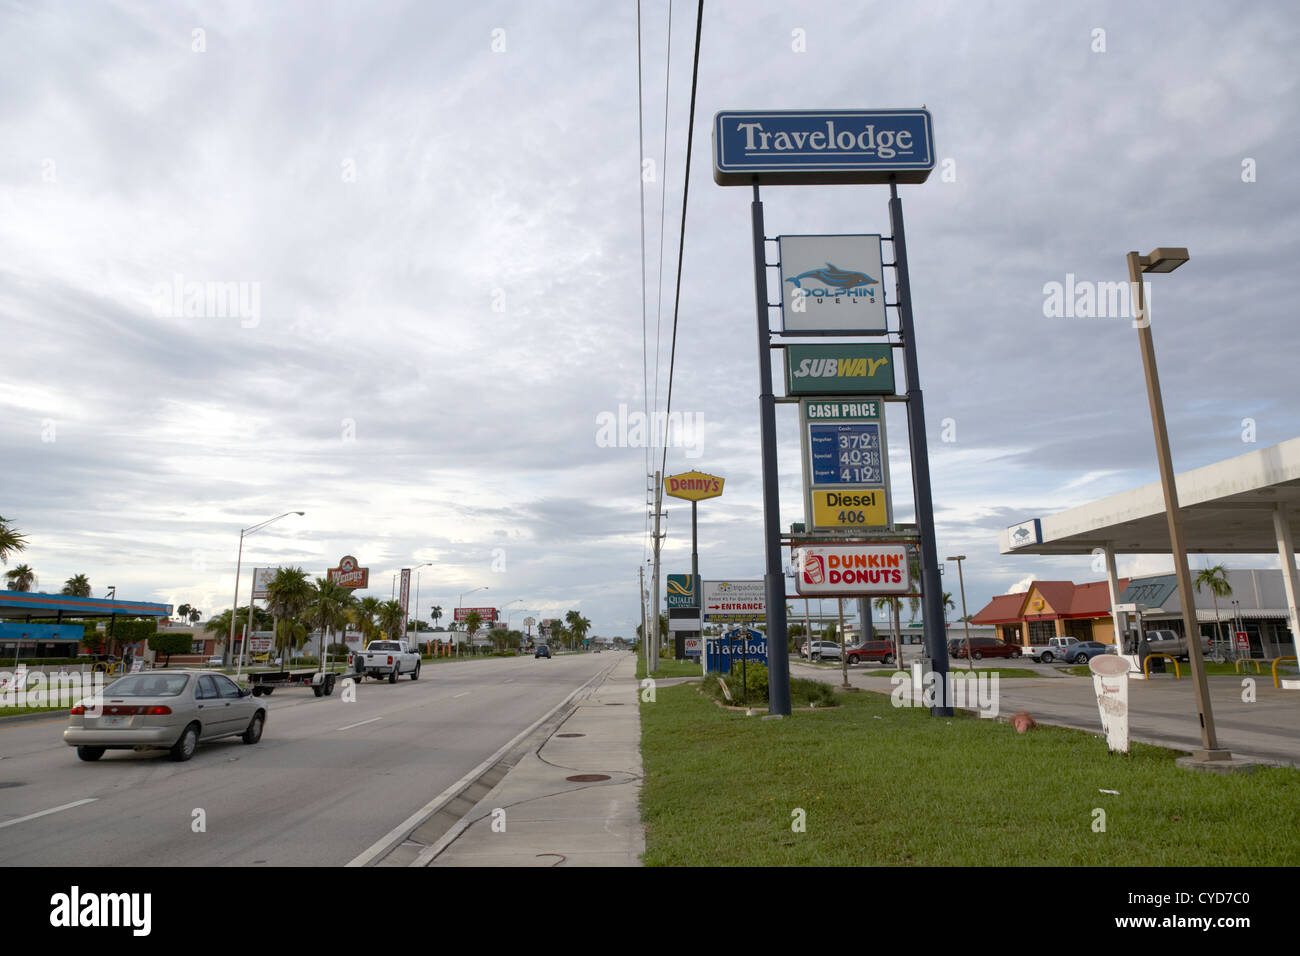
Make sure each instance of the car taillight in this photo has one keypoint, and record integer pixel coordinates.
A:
(78, 711)
(158, 710)
(390, 658)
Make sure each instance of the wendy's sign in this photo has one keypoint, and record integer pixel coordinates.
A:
(348, 575)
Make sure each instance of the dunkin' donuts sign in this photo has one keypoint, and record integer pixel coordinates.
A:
(851, 569)
(348, 575)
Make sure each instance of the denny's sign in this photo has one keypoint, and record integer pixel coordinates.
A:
(348, 575)
(693, 486)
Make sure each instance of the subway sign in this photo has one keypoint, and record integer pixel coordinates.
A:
(817, 147)
(839, 369)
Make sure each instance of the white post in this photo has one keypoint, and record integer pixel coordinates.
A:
(1286, 552)
(1118, 620)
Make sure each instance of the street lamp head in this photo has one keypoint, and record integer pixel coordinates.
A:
(960, 557)
(1164, 259)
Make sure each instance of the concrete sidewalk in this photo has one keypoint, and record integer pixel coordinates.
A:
(538, 816)
(1162, 711)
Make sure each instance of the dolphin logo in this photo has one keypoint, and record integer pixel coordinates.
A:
(834, 277)
(1021, 534)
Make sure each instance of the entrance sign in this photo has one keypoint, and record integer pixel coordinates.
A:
(816, 147)
(844, 570)
(832, 284)
(839, 369)
(1110, 681)
(739, 601)
(348, 575)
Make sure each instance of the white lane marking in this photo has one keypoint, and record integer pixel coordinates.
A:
(509, 681)
(465, 694)
(359, 723)
(33, 816)
(399, 832)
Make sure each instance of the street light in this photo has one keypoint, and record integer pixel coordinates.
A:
(461, 603)
(970, 661)
(1159, 261)
(234, 612)
(427, 564)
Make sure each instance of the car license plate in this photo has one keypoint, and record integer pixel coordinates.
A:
(113, 721)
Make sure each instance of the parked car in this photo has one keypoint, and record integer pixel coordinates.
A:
(542, 651)
(880, 651)
(1085, 651)
(1057, 648)
(820, 649)
(981, 647)
(1169, 642)
(164, 710)
(216, 661)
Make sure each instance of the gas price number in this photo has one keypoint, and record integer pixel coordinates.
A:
(847, 453)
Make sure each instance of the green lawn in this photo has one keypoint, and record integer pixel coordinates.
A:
(884, 786)
(15, 711)
(668, 668)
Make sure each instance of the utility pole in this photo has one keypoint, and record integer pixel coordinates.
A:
(970, 660)
(640, 599)
(652, 662)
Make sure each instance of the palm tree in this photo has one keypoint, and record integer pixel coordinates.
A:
(219, 625)
(436, 613)
(183, 612)
(195, 615)
(390, 619)
(10, 540)
(77, 586)
(287, 596)
(1216, 579)
(472, 623)
(892, 604)
(498, 637)
(328, 609)
(366, 611)
(21, 578)
(578, 626)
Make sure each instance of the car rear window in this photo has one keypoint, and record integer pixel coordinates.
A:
(147, 685)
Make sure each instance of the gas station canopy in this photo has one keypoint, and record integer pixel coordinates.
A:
(1231, 506)
(25, 605)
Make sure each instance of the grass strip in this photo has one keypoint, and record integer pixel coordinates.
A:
(882, 786)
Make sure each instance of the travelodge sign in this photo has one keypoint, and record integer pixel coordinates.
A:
(348, 575)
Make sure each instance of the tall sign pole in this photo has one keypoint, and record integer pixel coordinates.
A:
(931, 589)
(778, 658)
(652, 661)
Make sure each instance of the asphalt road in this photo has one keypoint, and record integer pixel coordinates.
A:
(328, 779)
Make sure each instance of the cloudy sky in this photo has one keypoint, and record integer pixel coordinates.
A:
(430, 213)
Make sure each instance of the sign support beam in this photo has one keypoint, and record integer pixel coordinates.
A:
(774, 578)
(931, 589)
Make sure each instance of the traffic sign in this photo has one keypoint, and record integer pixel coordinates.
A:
(813, 147)
(1243, 642)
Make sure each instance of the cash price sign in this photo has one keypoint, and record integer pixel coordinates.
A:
(833, 285)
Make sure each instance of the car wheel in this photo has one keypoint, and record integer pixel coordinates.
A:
(183, 749)
(318, 690)
(853, 659)
(1047, 657)
(887, 659)
(1081, 659)
(415, 674)
(90, 754)
(254, 732)
(392, 675)
(977, 655)
(1015, 655)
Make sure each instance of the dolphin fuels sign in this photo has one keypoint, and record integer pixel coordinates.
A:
(832, 284)
(814, 147)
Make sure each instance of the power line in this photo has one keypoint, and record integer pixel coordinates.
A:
(681, 241)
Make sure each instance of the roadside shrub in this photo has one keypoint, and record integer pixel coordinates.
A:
(748, 681)
(809, 693)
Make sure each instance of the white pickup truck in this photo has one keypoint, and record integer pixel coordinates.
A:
(1056, 649)
(387, 659)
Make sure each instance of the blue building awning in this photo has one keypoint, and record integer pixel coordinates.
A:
(25, 604)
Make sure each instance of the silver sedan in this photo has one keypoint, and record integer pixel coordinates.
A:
(164, 710)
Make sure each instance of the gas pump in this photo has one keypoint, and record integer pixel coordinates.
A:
(1133, 644)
